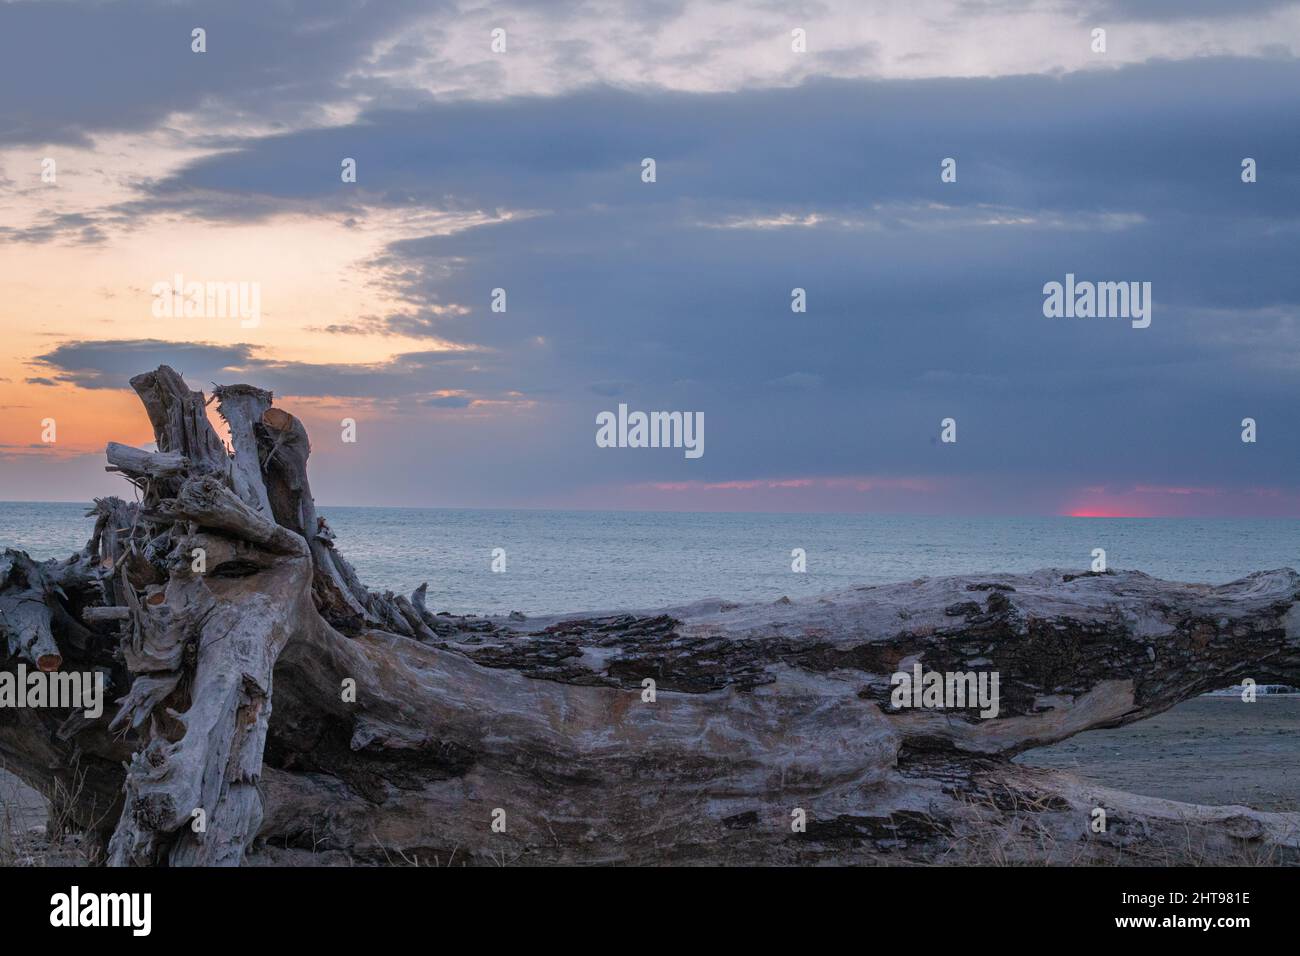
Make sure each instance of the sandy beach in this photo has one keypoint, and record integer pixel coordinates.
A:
(1211, 750)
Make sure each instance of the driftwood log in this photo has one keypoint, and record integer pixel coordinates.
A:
(267, 706)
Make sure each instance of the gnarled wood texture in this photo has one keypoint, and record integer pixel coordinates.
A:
(308, 718)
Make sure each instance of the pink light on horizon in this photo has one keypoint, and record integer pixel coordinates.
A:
(854, 484)
(978, 495)
(1180, 501)
(802, 493)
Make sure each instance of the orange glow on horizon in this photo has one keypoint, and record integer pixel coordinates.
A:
(1104, 513)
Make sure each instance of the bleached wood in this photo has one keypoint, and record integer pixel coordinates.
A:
(141, 463)
(242, 407)
(92, 614)
(180, 421)
(25, 614)
(759, 710)
(762, 709)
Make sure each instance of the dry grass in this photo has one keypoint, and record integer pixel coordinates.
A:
(58, 840)
(1017, 830)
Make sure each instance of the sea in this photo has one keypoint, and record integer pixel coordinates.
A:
(561, 561)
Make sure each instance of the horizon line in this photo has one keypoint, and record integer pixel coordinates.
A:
(775, 514)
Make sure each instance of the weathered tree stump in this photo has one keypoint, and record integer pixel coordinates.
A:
(268, 702)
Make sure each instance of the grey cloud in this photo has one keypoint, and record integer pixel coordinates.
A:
(98, 364)
(924, 298)
(68, 69)
(1169, 10)
(830, 145)
(73, 228)
(111, 363)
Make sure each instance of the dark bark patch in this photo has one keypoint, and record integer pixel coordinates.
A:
(897, 830)
(741, 821)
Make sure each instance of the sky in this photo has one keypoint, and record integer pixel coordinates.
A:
(127, 158)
